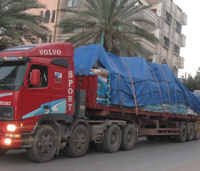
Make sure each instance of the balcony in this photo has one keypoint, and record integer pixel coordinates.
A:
(182, 41)
(150, 16)
(180, 62)
(148, 46)
(153, 2)
(184, 19)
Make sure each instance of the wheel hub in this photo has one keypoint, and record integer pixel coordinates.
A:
(80, 140)
(45, 143)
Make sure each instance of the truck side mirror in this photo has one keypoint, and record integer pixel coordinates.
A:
(35, 77)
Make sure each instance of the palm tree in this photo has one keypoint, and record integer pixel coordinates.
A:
(16, 25)
(109, 23)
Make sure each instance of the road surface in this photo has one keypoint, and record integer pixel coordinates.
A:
(147, 156)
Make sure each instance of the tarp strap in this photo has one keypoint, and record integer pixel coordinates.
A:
(159, 89)
(163, 73)
(133, 88)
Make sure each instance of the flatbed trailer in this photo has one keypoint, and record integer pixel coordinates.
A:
(149, 123)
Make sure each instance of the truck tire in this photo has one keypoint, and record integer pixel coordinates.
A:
(196, 131)
(112, 139)
(129, 137)
(190, 130)
(182, 137)
(44, 144)
(78, 142)
(3, 151)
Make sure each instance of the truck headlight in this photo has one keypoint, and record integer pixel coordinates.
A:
(6, 113)
(11, 127)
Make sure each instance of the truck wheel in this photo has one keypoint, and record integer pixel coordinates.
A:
(112, 139)
(190, 130)
(78, 142)
(129, 137)
(3, 151)
(182, 137)
(44, 144)
(196, 131)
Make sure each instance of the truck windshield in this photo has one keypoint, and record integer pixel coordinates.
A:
(12, 75)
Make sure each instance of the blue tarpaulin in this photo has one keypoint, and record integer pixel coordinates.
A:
(134, 77)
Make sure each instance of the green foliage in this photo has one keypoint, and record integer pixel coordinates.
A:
(16, 25)
(192, 83)
(109, 23)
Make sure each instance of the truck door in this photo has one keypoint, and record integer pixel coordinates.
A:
(58, 89)
(36, 99)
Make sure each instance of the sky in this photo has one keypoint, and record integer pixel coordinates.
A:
(192, 31)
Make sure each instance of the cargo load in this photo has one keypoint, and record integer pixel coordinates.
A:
(132, 81)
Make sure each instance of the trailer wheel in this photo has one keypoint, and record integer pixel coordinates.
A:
(182, 137)
(129, 137)
(3, 151)
(196, 131)
(78, 142)
(190, 130)
(112, 139)
(44, 144)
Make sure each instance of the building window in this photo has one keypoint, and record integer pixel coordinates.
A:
(53, 16)
(50, 39)
(71, 3)
(47, 16)
(166, 42)
(178, 27)
(176, 49)
(41, 13)
(163, 61)
(154, 10)
(168, 18)
(44, 39)
(175, 70)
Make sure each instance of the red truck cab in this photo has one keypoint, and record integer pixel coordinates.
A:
(36, 82)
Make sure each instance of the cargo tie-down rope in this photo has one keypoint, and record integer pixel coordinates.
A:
(132, 85)
(163, 73)
(158, 86)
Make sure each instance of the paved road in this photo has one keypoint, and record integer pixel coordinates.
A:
(147, 156)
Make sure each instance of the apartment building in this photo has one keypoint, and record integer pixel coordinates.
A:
(172, 19)
(167, 17)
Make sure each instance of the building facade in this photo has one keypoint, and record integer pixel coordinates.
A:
(167, 17)
(168, 21)
(172, 19)
(51, 15)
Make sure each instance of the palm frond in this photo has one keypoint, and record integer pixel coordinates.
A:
(17, 25)
(114, 20)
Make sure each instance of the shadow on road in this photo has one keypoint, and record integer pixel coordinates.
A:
(20, 156)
